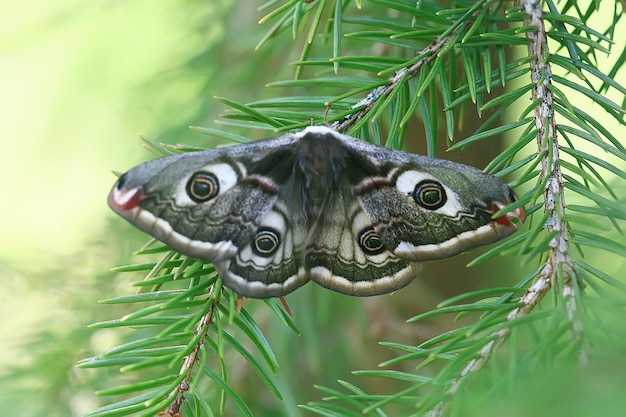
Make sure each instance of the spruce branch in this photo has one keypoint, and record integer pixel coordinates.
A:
(467, 349)
(428, 55)
(201, 331)
(558, 268)
(528, 302)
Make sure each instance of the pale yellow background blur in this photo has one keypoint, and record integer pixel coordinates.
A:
(71, 77)
(79, 82)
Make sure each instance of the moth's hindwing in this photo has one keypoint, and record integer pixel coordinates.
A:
(349, 257)
(269, 265)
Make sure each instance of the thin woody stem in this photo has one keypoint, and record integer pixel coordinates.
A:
(559, 265)
(202, 328)
(429, 53)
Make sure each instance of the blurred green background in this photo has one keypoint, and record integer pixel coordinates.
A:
(79, 82)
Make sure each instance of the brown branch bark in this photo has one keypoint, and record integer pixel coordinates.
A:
(558, 268)
(429, 53)
(178, 395)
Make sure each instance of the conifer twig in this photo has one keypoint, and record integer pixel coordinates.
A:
(429, 53)
(201, 329)
(559, 265)
(533, 296)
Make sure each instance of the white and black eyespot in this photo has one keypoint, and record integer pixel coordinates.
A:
(266, 242)
(370, 242)
(202, 186)
(430, 194)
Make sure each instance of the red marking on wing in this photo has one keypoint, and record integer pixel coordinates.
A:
(126, 199)
(268, 185)
(505, 220)
(371, 183)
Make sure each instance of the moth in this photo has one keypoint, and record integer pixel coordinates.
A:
(315, 205)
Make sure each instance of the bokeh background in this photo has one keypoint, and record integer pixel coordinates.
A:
(79, 82)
